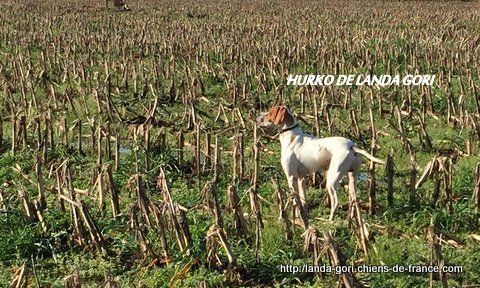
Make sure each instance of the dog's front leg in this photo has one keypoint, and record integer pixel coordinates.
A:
(293, 183)
(302, 188)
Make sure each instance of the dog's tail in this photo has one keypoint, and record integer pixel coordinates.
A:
(368, 155)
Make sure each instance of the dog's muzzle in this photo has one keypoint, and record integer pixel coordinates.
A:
(260, 120)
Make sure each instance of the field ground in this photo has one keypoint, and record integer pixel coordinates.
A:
(84, 202)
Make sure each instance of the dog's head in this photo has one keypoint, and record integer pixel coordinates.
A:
(278, 117)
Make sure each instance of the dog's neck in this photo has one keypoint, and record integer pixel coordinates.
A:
(295, 125)
(288, 133)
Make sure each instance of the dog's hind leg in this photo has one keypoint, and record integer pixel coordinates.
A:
(352, 182)
(353, 176)
(333, 179)
(340, 165)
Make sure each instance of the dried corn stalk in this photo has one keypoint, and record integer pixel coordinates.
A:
(336, 259)
(236, 209)
(283, 210)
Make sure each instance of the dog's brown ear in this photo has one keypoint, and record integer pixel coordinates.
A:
(280, 115)
(276, 114)
(272, 113)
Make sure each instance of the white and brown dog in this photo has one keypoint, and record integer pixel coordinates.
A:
(303, 154)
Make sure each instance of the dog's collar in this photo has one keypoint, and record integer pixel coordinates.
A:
(289, 128)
